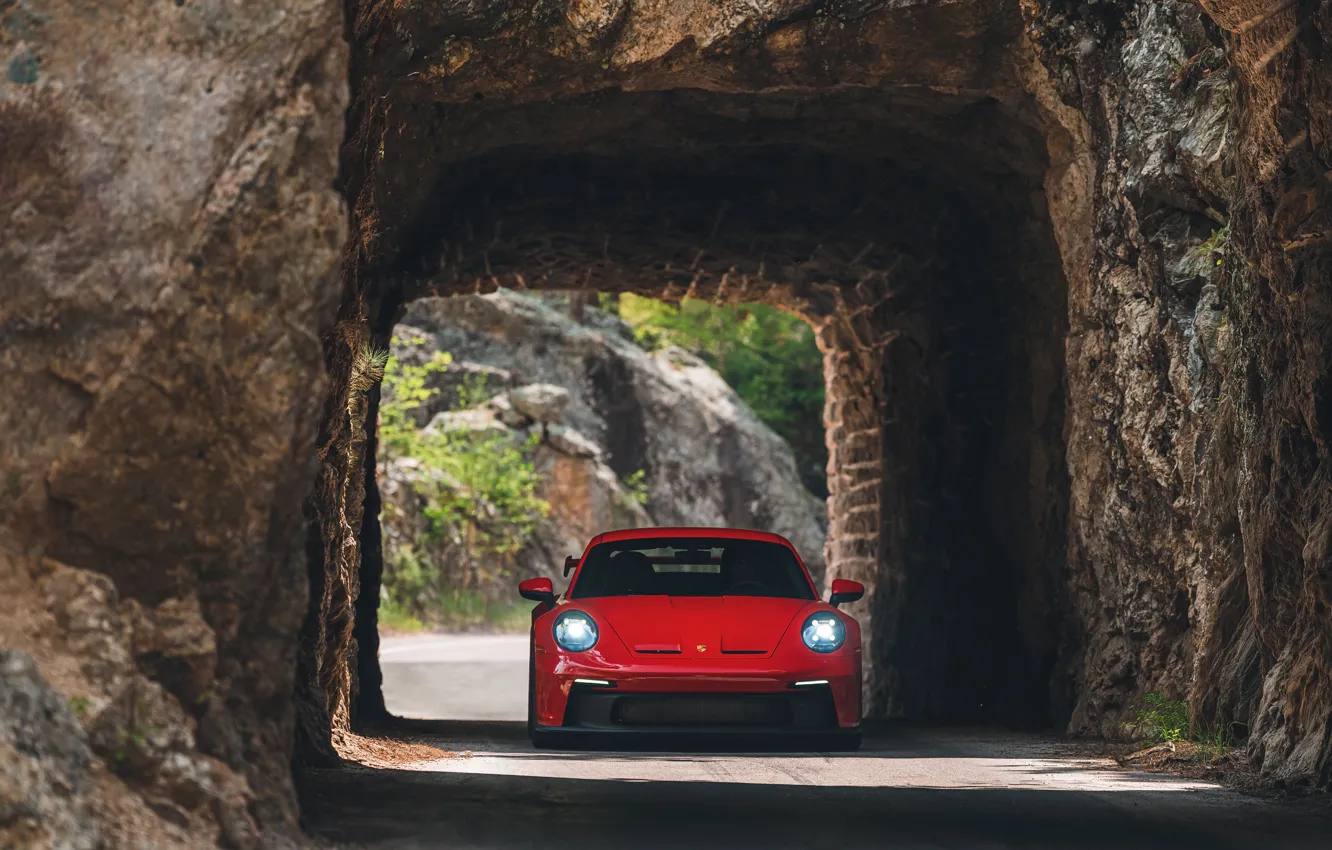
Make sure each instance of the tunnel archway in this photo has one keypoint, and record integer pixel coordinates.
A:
(908, 226)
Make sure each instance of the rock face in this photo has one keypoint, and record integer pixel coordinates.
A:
(120, 755)
(169, 237)
(44, 763)
(604, 411)
(1197, 442)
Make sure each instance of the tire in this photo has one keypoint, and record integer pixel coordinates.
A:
(542, 740)
(847, 743)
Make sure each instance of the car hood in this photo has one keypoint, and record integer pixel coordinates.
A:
(698, 625)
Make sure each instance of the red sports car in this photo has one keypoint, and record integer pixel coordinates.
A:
(692, 630)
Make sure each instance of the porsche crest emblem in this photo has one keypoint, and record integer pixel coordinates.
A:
(701, 648)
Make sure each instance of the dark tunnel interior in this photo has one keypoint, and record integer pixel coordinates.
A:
(933, 204)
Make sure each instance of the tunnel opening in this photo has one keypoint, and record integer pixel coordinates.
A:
(930, 273)
(514, 427)
(911, 231)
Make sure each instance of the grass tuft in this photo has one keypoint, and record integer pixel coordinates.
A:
(1158, 720)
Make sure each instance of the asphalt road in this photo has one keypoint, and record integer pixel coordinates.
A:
(909, 787)
(455, 677)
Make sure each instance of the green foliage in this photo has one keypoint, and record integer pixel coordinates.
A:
(1158, 719)
(768, 356)
(492, 494)
(464, 608)
(404, 390)
(480, 494)
(80, 706)
(1215, 245)
(393, 617)
(1214, 744)
(405, 575)
(636, 483)
(487, 487)
(472, 392)
(127, 741)
(414, 592)
(367, 369)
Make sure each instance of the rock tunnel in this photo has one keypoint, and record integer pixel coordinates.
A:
(906, 224)
(1072, 461)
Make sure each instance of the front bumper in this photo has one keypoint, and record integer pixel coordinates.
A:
(727, 696)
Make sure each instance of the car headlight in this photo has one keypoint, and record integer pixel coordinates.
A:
(575, 631)
(823, 632)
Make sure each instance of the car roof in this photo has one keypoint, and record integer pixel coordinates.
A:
(690, 531)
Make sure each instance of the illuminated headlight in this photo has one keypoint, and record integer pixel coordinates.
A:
(575, 631)
(823, 632)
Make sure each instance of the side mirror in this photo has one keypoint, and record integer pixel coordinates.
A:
(571, 564)
(845, 590)
(537, 590)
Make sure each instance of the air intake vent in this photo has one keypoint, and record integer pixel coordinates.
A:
(702, 710)
(657, 648)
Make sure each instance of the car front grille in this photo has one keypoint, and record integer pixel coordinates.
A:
(702, 710)
(794, 710)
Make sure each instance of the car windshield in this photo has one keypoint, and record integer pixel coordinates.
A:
(711, 566)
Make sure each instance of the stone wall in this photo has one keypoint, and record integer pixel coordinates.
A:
(1196, 443)
(169, 246)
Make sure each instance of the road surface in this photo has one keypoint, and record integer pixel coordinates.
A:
(481, 785)
(455, 677)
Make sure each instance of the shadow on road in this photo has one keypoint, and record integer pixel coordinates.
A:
(462, 809)
(882, 740)
(410, 809)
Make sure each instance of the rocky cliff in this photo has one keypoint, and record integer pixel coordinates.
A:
(1197, 442)
(169, 244)
(620, 438)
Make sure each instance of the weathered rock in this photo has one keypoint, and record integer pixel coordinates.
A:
(668, 402)
(201, 784)
(140, 727)
(87, 607)
(478, 420)
(1194, 384)
(170, 236)
(542, 402)
(44, 764)
(704, 456)
(567, 441)
(586, 498)
(506, 412)
(174, 645)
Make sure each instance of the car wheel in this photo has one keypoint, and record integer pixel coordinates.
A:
(848, 743)
(542, 740)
